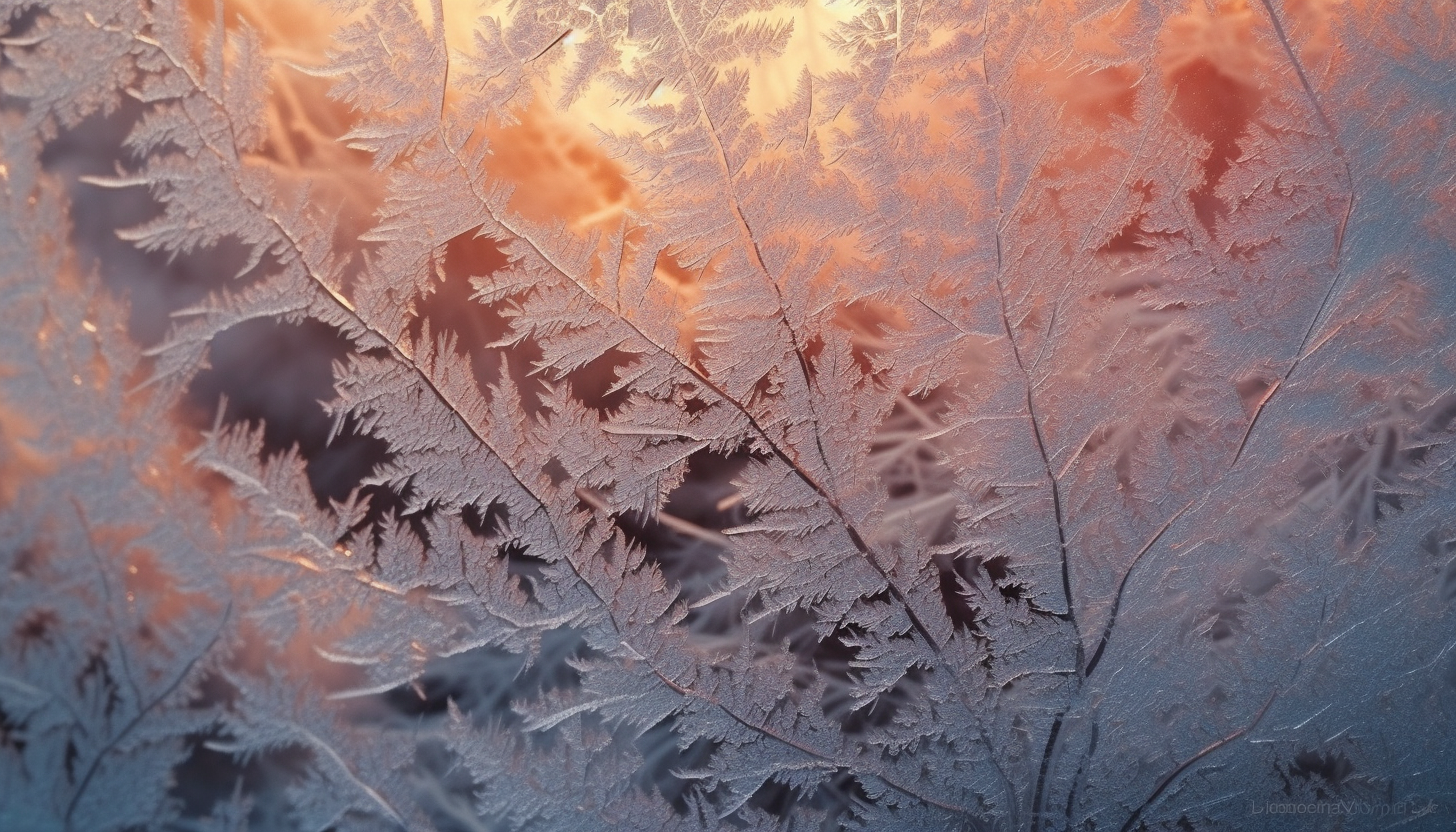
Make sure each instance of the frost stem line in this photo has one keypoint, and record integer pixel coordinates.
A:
(1084, 670)
(852, 532)
(1337, 255)
(1054, 735)
(312, 273)
(293, 242)
(1071, 614)
(141, 714)
(455, 410)
(402, 355)
(576, 568)
(1122, 587)
(814, 752)
(855, 537)
(858, 765)
(1173, 775)
(1003, 220)
(407, 359)
(751, 241)
(106, 601)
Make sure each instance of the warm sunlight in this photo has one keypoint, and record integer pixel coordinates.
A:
(701, 415)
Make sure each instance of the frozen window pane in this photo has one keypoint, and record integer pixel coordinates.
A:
(828, 414)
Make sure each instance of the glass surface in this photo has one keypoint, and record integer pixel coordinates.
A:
(744, 414)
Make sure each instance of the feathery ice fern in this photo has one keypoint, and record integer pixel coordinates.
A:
(542, 415)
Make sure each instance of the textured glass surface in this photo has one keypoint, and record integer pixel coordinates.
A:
(738, 414)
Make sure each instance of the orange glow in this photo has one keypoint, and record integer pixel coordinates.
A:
(554, 159)
(790, 362)
(19, 459)
(558, 172)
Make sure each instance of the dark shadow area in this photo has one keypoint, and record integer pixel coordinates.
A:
(277, 374)
(153, 284)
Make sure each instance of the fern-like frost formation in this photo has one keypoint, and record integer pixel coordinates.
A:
(662, 415)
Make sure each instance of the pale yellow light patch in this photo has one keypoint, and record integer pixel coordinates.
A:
(461, 18)
(1221, 36)
(600, 105)
(772, 83)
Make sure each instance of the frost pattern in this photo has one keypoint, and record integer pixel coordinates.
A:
(734, 415)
